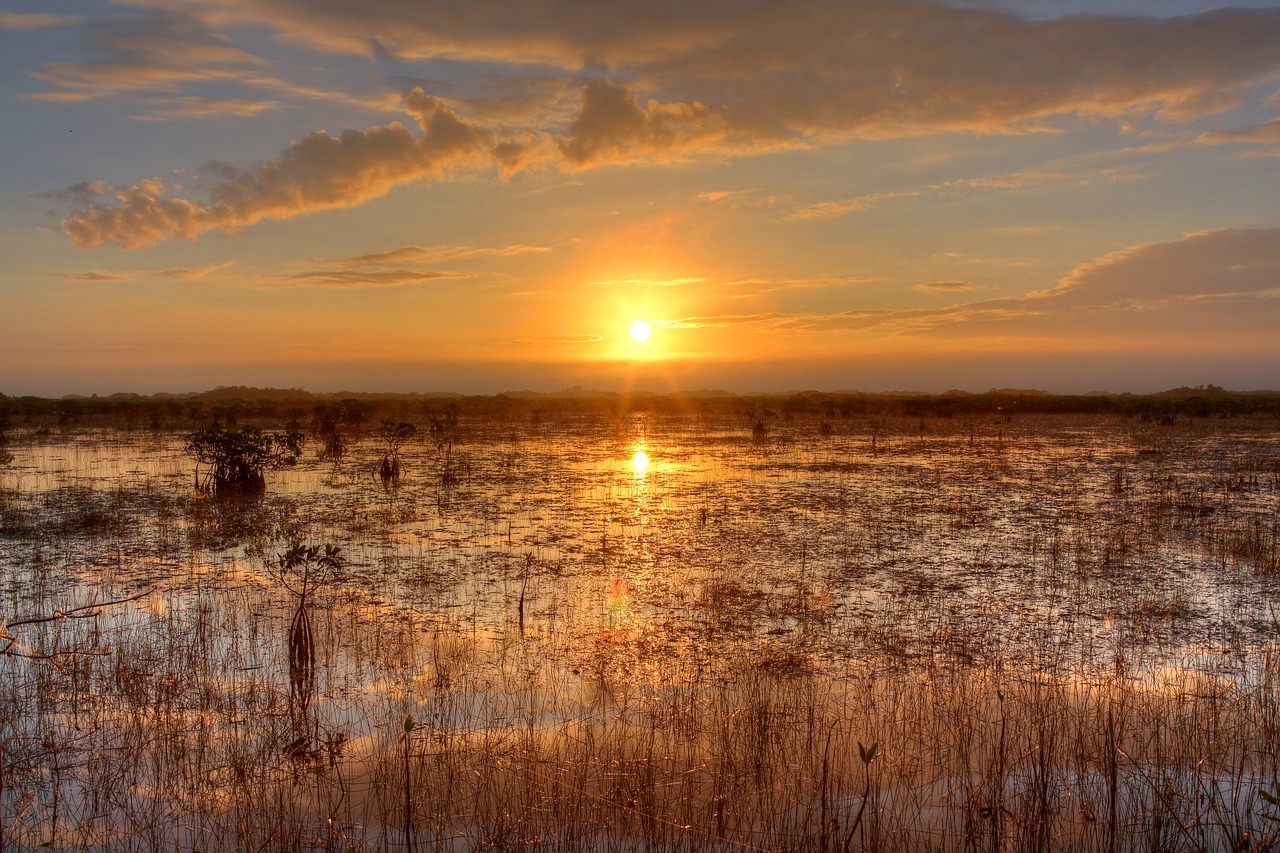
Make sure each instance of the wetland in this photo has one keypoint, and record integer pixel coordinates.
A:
(600, 628)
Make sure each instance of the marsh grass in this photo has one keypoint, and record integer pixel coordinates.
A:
(1035, 634)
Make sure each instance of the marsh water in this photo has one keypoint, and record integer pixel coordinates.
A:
(536, 605)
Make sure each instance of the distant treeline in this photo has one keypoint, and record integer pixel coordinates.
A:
(233, 405)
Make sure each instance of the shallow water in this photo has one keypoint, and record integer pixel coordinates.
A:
(537, 574)
(990, 537)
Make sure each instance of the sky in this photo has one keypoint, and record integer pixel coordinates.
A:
(482, 196)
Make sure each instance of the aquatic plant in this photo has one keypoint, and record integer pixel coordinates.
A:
(303, 569)
(396, 434)
(239, 460)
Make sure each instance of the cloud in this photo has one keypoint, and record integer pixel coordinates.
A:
(317, 172)
(835, 209)
(93, 275)
(945, 287)
(173, 51)
(1236, 263)
(431, 254)
(810, 68)
(158, 52)
(1008, 181)
(717, 79)
(1267, 133)
(193, 273)
(373, 278)
(175, 273)
(192, 106)
(988, 183)
(612, 126)
(397, 267)
(1191, 289)
(647, 282)
(35, 20)
(563, 340)
(723, 320)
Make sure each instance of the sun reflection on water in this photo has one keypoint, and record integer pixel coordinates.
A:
(640, 463)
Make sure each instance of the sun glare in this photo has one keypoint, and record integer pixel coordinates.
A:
(640, 462)
(640, 331)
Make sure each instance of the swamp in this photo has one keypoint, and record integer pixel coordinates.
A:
(720, 626)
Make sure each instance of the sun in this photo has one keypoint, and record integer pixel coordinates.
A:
(640, 331)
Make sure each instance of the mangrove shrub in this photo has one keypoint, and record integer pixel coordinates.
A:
(239, 460)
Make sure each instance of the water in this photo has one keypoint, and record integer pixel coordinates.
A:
(534, 576)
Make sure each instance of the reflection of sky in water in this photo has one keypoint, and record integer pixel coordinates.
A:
(625, 575)
(688, 526)
(590, 566)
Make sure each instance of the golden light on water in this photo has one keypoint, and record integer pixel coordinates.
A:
(640, 462)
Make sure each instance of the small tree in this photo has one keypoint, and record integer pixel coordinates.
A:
(239, 460)
(304, 569)
(396, 435)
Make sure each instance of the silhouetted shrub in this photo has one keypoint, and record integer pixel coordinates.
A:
(241, 459)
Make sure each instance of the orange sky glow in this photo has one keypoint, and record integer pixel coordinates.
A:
(449, 196)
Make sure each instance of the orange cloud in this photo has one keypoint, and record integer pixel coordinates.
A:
(421, 254)
(1189, 289)
(35, 20)
(946, 287)
(612, 126)
(1267, 133)
(315, 173)
(836, 209)
(373, 278)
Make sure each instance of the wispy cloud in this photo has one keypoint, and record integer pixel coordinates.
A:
(835, 209)
(35, 20)
(1267, 133)
(94, 275)
(562, 340)
(193, 273)
(723, 320)
(397, 267)
(174, 273)
(1009, 181)
(648, 282)
(372, 278)
(433, 254)
(194, 106)
(945, 287)
(1140, 293)
(163, 56)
